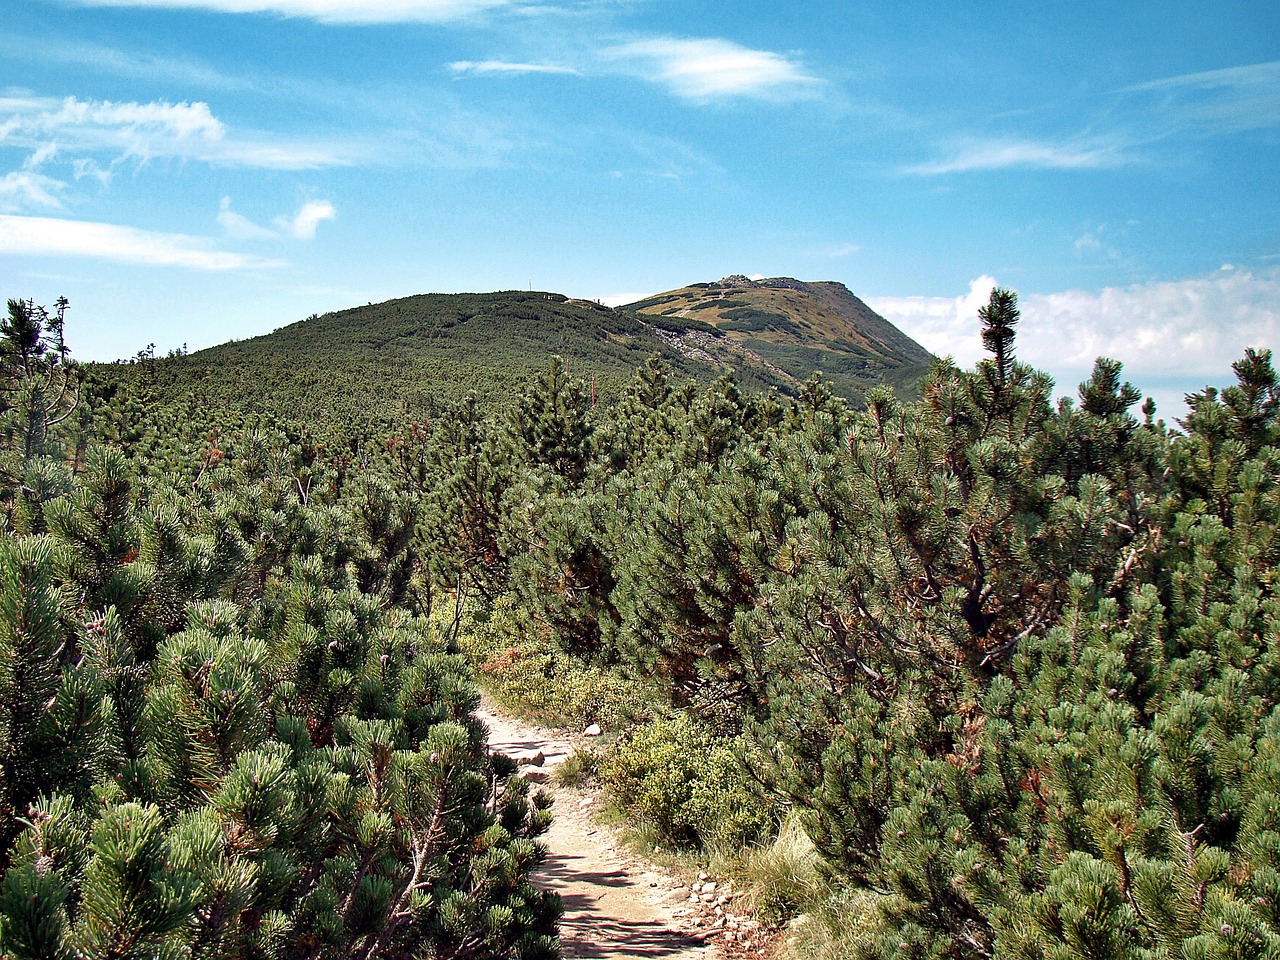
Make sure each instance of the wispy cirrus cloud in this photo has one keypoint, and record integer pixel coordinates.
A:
(54, 237)
(1137, 119)
(705, 70)
(301, 226)
(1000, 154)
(136, 63)
(239, 227)
(1213, 102)
(1247, 77)
(24, 189)
(27, 188)
(154, 130)
(505, 68)
(327, 11)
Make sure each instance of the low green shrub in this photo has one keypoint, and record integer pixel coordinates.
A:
(688, 784)
(753, 320)
(526, 677)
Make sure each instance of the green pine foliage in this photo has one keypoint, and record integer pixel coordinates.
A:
(39, 386)
(223, 733)
(679, 777)
(1011, 663)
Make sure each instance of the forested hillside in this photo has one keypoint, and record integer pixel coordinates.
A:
(1005, 669)
(370, 368)
(404, 356)
(217, 737)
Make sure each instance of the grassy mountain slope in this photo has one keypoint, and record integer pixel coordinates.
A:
(382, 364)
(796, 328)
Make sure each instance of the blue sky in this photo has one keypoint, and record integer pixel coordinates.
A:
(190, 171)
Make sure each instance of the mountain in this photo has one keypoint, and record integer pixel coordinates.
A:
(792, 328)
(389, 362)
(392, 360)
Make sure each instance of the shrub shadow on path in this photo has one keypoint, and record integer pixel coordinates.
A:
(611, 901)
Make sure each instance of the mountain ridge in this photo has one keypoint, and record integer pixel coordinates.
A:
(404, 357)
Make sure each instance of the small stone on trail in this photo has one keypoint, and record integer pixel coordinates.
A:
(584, 803)
(592, 731)
(536, 775)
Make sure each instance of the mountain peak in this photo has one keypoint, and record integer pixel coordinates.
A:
(781, 283)
(796, 327)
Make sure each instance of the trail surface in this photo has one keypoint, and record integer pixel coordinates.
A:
(615, 906)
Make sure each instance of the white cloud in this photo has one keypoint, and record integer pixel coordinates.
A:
(88, 167)
(146, 131)
(1088, 241)
(1190, 327)
(714, 69)
(239, 227)
(502, 67)
(42, 156)
(23, 189)
(947, 326)
(838, 251)
(1030, 154)
(303, 224)
(618, 299)
(327, 11)
(1187, 332)
(1099, 242)
(43, 117)
(1251, 75)
(263, 155)
(45, 236)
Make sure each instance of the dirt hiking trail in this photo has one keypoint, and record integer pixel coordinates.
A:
(615, 905)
